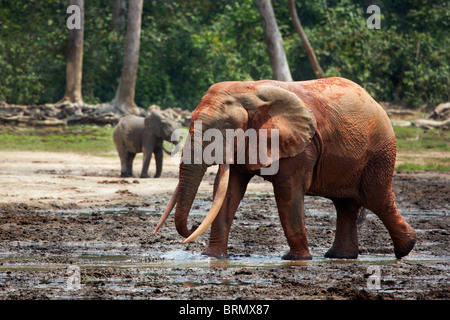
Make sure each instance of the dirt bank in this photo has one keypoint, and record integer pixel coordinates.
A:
(60, 210)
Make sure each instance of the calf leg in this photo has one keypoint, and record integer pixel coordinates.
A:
(146, 162)
(159, 161)
(126, 160)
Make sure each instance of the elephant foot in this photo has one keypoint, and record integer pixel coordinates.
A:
(292, 256)
(156, 176)
(341, 254)
(125, 175)
(215, 254)
(405, 248)
(145, 176)
(216, 251)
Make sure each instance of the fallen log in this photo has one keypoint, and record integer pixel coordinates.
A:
(428, 124)
(75, 113)
(402, 113)
(441, 112)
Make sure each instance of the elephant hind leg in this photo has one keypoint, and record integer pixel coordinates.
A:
(346, 239)
(378, 197)
(402, 235)
(127, 164)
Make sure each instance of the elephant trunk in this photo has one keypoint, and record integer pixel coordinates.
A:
(219, 196)
(190, 178)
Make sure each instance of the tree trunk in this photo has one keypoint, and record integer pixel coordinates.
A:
(274, 41)
(74, 67)
(119, 15)
(309, 50)
(124, 99)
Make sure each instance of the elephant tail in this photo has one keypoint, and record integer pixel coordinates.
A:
(361, 217)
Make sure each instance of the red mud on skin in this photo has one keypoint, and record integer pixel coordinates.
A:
(120, 258)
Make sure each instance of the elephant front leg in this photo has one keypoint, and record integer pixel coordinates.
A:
(292, 216)
(220, 228)
(159, 161)
(146, 163)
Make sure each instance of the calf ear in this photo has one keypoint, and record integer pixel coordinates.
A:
(271, 107)
(153, 123)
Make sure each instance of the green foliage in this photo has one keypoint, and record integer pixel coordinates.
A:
(31, 51)
(199, 46)
(404, 61)
(412, 143)
(188, 45)
(82, 139)
(428, 166)
(414, 138)
(415, 146)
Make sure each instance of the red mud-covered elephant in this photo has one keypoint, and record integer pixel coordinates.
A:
(334, 141)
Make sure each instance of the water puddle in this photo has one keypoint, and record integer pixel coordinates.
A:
(427, 213)
(201, 207)
(95, 255)
(28, 254)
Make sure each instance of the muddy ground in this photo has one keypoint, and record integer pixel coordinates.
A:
(61, 214)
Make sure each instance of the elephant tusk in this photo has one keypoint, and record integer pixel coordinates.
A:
(170, 205)
(224, 175)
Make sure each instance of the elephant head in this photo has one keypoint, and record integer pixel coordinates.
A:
(160, 126)
(237, 105)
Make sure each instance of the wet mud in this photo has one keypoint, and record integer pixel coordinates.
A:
(111, 247)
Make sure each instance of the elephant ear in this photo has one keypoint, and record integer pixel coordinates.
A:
(271, 107)
(153, 123)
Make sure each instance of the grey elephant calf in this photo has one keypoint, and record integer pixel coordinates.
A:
(135, 134)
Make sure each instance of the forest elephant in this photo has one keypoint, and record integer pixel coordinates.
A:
(134, 134)
(333, 140)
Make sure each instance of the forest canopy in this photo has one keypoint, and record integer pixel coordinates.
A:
(187, 45)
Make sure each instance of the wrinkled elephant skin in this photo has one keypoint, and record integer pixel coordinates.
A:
(335, 141)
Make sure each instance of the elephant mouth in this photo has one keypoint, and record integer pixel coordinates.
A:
(179, 194)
